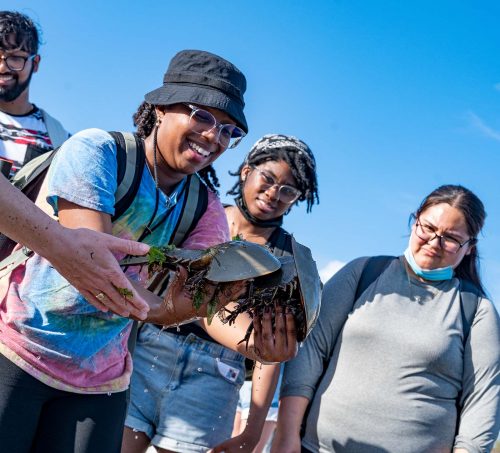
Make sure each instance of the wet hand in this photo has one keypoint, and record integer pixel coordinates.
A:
(278, 344)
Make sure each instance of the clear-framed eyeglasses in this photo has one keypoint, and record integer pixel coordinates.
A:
(16, 62)
(200, 121)
(286, 193)
(447, 243)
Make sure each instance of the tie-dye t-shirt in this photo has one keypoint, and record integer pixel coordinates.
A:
(47, 328)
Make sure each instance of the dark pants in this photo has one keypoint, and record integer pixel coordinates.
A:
(37, 418)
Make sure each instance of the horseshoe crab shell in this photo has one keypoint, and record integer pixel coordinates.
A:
(241, 260)
(309, 284)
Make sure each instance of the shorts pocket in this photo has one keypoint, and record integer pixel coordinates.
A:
(232, 372)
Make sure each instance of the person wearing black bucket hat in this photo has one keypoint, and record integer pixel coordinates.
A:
(202, 375)
(63, 360)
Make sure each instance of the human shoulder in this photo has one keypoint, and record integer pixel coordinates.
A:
(212, 228)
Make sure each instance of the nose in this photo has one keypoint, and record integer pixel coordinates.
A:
(273, 192)
(437, 244)
(3, 63)
(212, 135)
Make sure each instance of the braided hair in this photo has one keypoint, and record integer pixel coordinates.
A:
(295, 153)
(145, 120)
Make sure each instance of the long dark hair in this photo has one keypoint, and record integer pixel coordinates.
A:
(301, 163)
(145, 120)
(474, 214)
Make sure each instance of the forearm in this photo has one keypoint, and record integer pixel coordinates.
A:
(291, 413)
(264, 381)
(24, 222)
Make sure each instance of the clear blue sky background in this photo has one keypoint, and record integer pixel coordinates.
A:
(394, 98)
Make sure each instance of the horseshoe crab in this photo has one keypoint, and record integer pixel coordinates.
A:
(291, 282)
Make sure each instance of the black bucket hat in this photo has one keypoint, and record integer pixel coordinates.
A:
(205, 79)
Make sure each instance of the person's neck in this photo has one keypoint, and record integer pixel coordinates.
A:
(167, 178)
(19, 106)
(239, 226)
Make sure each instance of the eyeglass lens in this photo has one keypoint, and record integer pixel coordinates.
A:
(201, 121)
(286, 194)
(446, 242)
(15, 62)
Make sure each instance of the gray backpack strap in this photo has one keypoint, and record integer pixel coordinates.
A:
(195, 204)
(13, 260)
(56, 131)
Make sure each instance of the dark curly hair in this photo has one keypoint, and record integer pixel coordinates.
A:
(474, 214)
(26, 34)
(144, 120)
(301, 163)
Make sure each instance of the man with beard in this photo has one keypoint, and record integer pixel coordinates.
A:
(26, 131)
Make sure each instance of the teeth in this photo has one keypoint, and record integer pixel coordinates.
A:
(199, 149)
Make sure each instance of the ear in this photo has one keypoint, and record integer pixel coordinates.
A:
(160, 113)
(36, 62)
(245, 171)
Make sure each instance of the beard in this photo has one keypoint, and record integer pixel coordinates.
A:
(12, 93)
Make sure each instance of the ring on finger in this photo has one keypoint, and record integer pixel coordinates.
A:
(100, 296)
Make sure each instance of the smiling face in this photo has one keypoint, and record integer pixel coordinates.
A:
(444, 220)
(183, 151)
(262, 202)
(14, 84)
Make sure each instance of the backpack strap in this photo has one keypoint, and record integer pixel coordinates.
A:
(56, 131)
(280, 242)
(373, 269)
(195, 205)
(130, 157)
(469, 301)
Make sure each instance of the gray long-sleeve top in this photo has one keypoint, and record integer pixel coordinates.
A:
(393, 368)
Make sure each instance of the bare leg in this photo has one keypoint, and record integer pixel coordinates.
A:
(134, 441)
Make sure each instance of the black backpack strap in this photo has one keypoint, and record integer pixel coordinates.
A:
(195, 205)
(130, 159)
(469, 300)
(373, 269)
(280, 242)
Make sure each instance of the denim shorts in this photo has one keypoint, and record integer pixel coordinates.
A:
(184, 390)
(246, 397)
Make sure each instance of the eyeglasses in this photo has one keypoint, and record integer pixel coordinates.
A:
(228, 135)
(16, 62)
(447, 243)
(286, 194)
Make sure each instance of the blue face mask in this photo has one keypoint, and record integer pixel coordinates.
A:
(442, 273)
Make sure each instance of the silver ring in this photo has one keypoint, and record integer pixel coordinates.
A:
(100, 297)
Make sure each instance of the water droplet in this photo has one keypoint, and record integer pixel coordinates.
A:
(121, 334)
(136, 437)
(109, 393)
(220, 416)
(135, 430)
(38, 357)
(200, 369)
(178, 328)
(152, 367)
(155, 357)
(146, 390)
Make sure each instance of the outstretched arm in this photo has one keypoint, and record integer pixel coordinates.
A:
(84, 257)
(264, 381)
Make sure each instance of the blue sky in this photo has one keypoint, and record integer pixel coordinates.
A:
(394, 98)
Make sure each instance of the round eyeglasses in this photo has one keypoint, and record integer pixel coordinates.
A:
(286, 194)
(447, 243)
(16, 62)
(200, 121)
